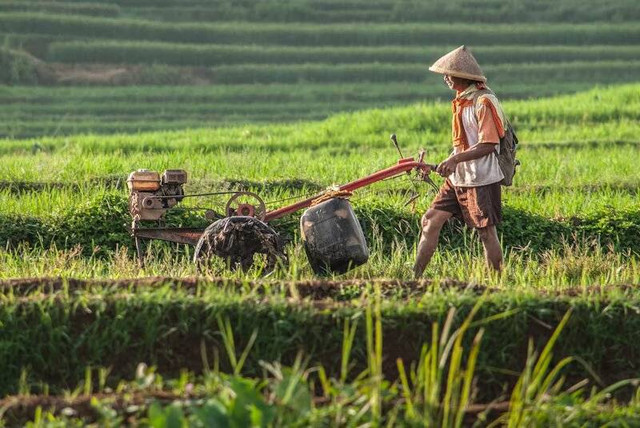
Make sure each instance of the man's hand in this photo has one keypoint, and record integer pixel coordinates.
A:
(447, 167)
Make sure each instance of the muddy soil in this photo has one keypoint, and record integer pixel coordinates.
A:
(314, 289)
(319, 289)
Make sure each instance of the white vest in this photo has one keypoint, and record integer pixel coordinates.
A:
(481, 171)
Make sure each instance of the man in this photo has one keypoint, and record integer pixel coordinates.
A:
(472, 187)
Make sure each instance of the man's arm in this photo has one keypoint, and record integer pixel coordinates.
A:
(447, 167)
(475, 152)
(488, 138)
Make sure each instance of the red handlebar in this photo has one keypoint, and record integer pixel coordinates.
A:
(403, 165)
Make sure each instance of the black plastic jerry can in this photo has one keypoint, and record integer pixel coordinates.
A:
(333, 238)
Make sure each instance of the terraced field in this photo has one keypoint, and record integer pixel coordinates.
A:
(287, 98)
(145, 66)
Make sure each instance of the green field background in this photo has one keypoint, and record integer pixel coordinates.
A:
(286, 98)
(195, 64)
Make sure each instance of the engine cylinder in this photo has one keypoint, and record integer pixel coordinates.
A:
(143, 180)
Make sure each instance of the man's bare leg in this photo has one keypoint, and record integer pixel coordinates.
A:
(432, 223)
(492, 249)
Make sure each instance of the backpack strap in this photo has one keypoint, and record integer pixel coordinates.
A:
(481, 92)
(476, 95)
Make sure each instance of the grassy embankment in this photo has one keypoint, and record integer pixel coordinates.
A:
(242, 68)
(179, 325)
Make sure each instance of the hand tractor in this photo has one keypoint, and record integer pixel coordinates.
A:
(331, 234)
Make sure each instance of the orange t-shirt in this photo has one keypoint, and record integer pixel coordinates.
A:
(487, 129)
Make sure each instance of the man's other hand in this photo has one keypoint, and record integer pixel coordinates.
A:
(447, 167)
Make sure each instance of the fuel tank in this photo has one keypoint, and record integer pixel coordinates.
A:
(333, 238)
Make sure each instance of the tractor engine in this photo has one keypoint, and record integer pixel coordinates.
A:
(151, 195)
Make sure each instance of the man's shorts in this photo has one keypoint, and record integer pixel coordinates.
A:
(479, 207)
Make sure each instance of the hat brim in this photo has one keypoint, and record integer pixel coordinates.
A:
(476, 77)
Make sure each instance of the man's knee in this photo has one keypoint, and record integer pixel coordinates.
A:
(434, 219)
(483, 233)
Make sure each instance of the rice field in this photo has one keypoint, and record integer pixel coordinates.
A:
(207, 64)
(570, 237)
(286, 99)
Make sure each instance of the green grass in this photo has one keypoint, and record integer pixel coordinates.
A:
(604, 72)
(39, 112)
(353, 11)
(605, 115)
(320, 35)
(571, 229)
(71, 8)
(304, 48)
(560, 194)
(439, 388)
(386, 11)
(61, 111)
(125, 52)
(166, 324)
(316, 61)
(574, 266)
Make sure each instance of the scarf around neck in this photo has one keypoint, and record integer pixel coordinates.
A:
(462, 100)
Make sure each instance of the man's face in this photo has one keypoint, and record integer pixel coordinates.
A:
(456, 83)
(449, 81)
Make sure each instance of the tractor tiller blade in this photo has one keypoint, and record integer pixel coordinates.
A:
(236, 240)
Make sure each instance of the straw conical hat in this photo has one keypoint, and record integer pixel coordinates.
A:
(460, 63)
